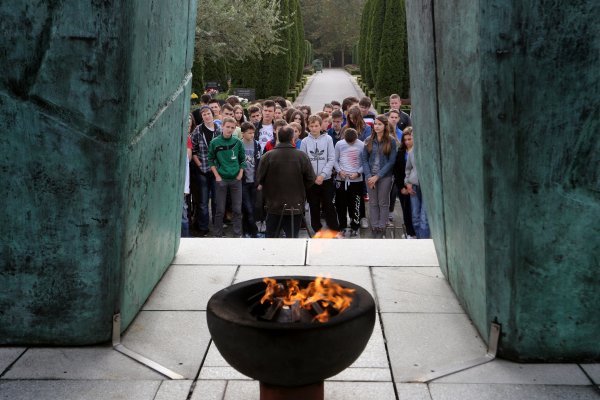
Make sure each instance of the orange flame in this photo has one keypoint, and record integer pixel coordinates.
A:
(326, 234)
(321, 293)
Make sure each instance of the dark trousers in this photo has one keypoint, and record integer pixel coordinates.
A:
(248, 203)
(289, 223)
(347, 202)
(321, 197)
(407, 214)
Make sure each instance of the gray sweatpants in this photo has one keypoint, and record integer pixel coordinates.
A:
(379, 202)
(235, 188)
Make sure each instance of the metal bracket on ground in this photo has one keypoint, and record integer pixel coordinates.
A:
(116, 342)
(454, 368)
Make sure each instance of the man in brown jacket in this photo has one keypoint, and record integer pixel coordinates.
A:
(284, 174)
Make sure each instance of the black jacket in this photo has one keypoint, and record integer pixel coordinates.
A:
(285, 173)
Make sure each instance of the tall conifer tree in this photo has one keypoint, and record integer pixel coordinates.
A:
(392, 71)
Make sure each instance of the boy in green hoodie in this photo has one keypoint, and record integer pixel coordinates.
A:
(226, 157)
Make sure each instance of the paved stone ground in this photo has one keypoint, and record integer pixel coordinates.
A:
(421, 327)
(323, 87)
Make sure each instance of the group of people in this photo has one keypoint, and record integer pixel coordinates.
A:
(267, 162)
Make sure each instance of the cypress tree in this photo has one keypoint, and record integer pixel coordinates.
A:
(277, 67)
(216, 71)
(301, 46)
(368, 42)
(197, 75)
(392, 71)
(377, 20)
(294, 49)
(362, 41)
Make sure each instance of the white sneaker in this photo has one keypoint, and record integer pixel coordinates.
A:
(364, 223)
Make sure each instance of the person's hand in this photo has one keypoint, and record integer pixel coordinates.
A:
(240, 174)
(319, 180)
(354, 175)
(259, 187)
(404, 191)
(409, 189)
(343, 175)
(373, 180)
(218, 178)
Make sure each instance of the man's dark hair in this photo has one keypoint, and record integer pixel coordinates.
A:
(269, 103)
(253, 109)
(247, 126)
(233, 100)
(327, 105)
(337, 114)
(365, 102)
(205, 98)
(285, 134)
(349, 135)
(348, 101)
(335, 103)
(211, 101)
(281, 101)
(227, 106)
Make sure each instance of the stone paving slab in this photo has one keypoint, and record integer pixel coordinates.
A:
(102, 363)
(173, 390)
(8, 355)
(372, 252)
(209, 390)
(249, 390)
(593, 370)
(502, 371)
(230, 251)
(413, 391)
(421, 343)
(331, 84)
(188, 287)
(415, 290)
(176, 340)
(453, 391)
(79, 390)
(358, 275)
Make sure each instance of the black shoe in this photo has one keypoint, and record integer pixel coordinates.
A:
(203, 232)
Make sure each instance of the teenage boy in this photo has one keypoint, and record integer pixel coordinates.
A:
(328, 108)
(321, 153)
(249, 181)
(336, 105)
(226, 157)
(365, 109)
(325, 121)
(347, 103)
(215, 106)
(349, 180)
(264, 129)
(337, 118)
(395, 103)
(202, 137)
(255, 114)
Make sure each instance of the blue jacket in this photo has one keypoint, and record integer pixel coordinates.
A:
(386, 162)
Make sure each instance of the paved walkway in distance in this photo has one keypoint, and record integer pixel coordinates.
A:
(331, 84)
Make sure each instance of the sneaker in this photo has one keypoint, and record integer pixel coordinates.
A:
(364, 223)
(203, 232)
(354, 233)
(390, 223)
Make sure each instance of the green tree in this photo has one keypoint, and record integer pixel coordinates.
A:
(392, 71)
(300, 42)
(365, 22)
(197, 75)
(294, 48)
(377, 20)
(277, 66)
(331, 26)
(215, 71)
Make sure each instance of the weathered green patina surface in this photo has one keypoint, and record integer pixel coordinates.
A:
(93, 104)
(506, 114)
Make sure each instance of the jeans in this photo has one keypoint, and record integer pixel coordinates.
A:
(206, 182)
(347, 202)
(321, 196)
(248, 204)
(185, 223)
(419, 216)
(234, 187)
(289, 223)
(379, 202)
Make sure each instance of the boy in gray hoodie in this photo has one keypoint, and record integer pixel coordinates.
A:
(320, 151)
